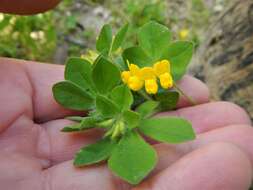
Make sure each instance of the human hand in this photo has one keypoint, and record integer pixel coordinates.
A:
(34, 154)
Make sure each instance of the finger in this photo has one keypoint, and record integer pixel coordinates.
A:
(57, 146)
(215, 166)
(34, 82)
(219, 165)
(65, 175)
(43, 77)
(239, 135)
(193, 88)
(16, 166)
(203, 117)
(17, 171)
(211, 115)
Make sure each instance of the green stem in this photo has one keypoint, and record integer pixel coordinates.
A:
(105, 124)
(185, 95)
(116, 130)
(144, 95)
(75, 118)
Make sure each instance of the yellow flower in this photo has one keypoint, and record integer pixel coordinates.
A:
(166, 80)
(137, 77)
(132, 77)
(147, 73)
(134, 69)
(149, 77)
(125, 75)
(162, 70)
(162, 67)
(135, 83)
(151, 86)
(183, 34)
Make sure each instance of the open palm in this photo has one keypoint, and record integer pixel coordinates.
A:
(34, 155)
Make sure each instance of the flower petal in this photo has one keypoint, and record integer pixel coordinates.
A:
(151, 86)
(135, 83)
(166, 80)
(162, 67)
(147, 73)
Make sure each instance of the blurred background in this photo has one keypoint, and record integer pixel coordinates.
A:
(72, 27)
(221, 29)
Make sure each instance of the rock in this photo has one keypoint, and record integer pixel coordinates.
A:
(225, 58)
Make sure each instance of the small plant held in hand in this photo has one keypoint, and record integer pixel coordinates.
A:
(122, 92)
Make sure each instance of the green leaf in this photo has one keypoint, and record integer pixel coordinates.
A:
(168, 100)
(119, 37)
(131, 118)
(79, 71)
(105, 75)
(168, 129)
(105, 123)
(133, 158)
(179, 54)
(5, 22)
(94, 153)
(75, 118)
(137, 56)
(71, 96)
(86, 123)
(154, 38)
(104, 40)
(72, 128)
(106, 107)
(147, 108)
(122, 96)
(119, 61)
(89, 122)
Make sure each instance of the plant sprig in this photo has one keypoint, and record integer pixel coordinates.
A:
(123, 106)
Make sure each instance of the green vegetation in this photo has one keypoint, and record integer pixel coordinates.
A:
(31, 37)
(112, 95)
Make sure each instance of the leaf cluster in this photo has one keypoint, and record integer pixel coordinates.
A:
(125, 116)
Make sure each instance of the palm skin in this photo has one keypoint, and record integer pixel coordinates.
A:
(35, 155)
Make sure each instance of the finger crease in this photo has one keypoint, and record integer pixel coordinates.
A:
(47, 180)
(44, 146)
